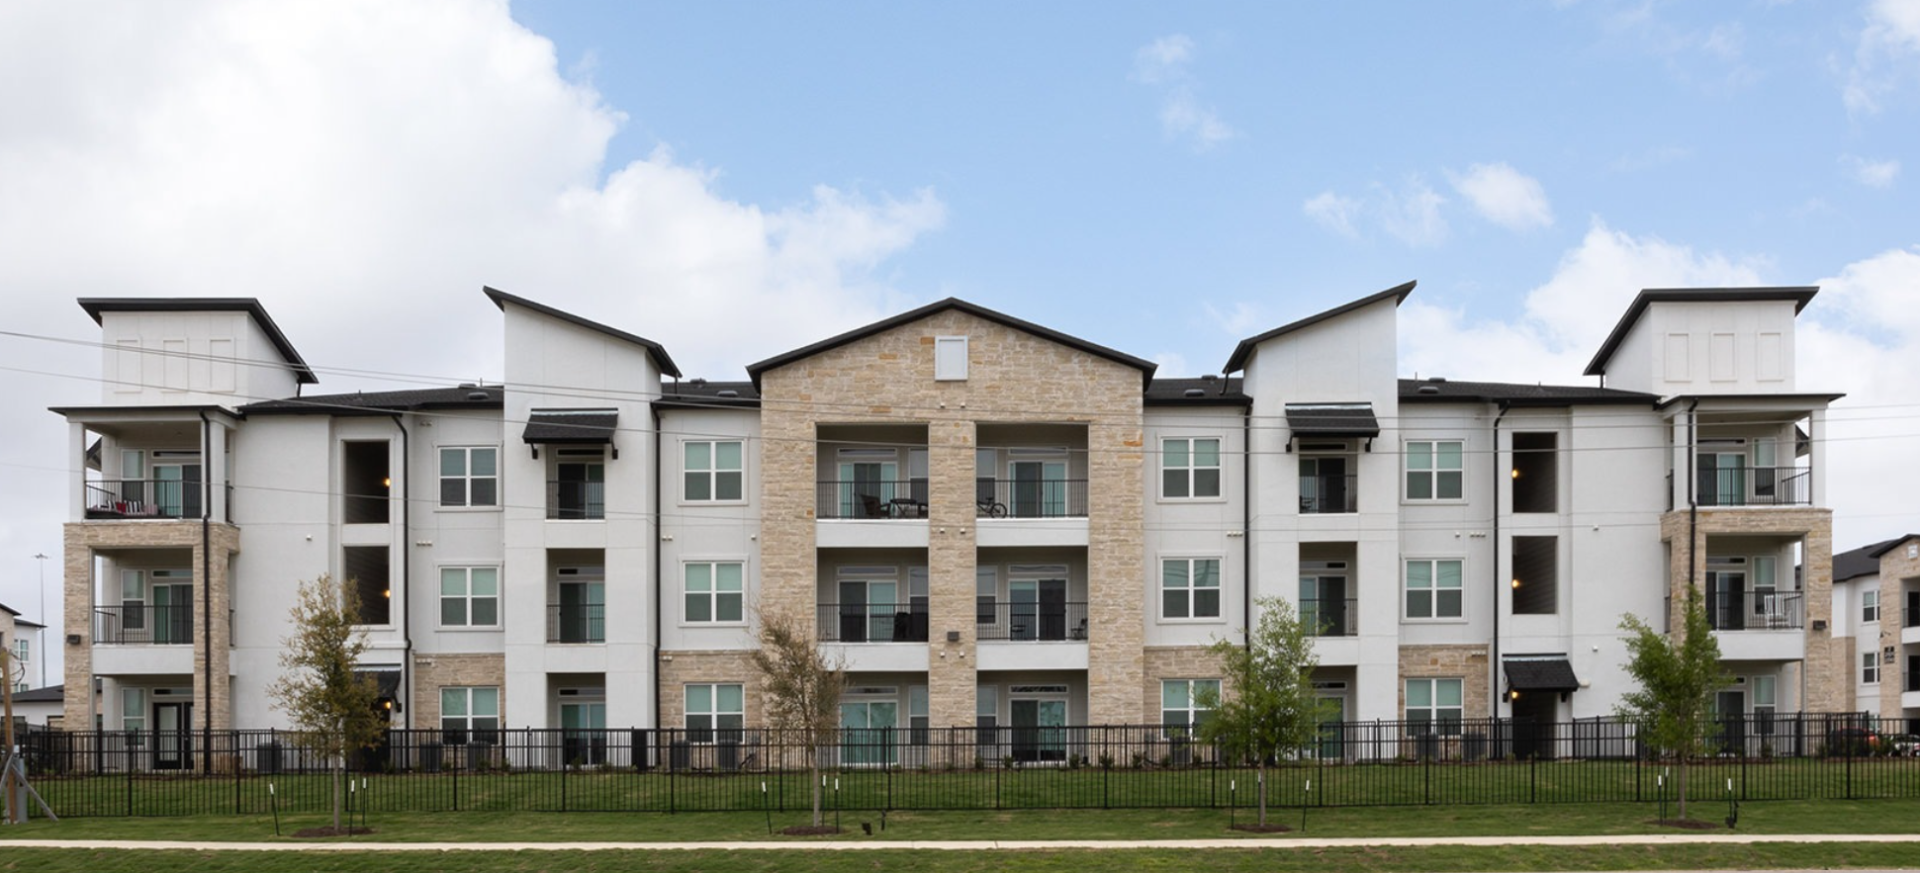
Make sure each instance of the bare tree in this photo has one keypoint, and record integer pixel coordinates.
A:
(802, 691)
(331, 705)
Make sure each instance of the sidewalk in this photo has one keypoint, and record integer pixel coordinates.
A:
(848, 845)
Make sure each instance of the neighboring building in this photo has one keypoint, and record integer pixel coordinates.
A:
(21, 639)
(1876, 608)
(40, 706)
(991, 521)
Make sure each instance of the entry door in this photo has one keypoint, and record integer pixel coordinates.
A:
(1730, 713)
(1323, 605)
(177, 490)
(1039, 730)
(583, 732)
(173, 613)
(583, 612)
(172, 736)
(866, 731)
(1333, 714)
(1039, 489)
(1037, 609)
(1533, 717)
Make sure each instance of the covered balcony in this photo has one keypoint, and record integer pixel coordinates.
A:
(150, 464)
(872, 473)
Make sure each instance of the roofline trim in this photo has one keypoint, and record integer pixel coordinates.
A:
(659, 352)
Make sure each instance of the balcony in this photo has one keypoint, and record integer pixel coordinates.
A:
(1755, 610)
(871, 499)
(129, 624)
(576, 623)
(143, 498)
(1031, 622)
(1754, 486)
(872, 623)
(1330, 618)
(1030, 498)
(574, 500)
(1323, 495)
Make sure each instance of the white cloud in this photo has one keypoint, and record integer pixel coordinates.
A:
(1887, 46)
(1164, 64)
(1333, 212)
(1873, 174)
(1504, 196)
(1245, 320)
(1412, 214)
(363, 168)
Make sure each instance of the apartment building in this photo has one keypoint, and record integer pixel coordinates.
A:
(989, 521)
(1876, 618)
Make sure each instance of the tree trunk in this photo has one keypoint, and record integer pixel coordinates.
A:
(1683, 786)
(819, 818)
(339, 773)
(1260, 773)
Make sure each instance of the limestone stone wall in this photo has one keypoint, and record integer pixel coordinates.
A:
(1464, 662)
(1013, 376)
(1895, 569)
(731, 667)
(1184, 662)
(434, 672)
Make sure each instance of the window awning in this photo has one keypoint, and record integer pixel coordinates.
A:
(1332, 420)
(1540, 673)
(571, 426)
(388, 681)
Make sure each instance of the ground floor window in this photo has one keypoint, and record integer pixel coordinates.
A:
(716, 711)
(470, 712)
(1180, 709)
(1433, 706)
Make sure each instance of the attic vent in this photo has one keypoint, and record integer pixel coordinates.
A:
(726, 392)
(476, 395)
(1192, 392)
(1429, 389)
(1209, 377)
(1437, 379)
(469, 384)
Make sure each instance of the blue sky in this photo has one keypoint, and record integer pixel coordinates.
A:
(735, 180)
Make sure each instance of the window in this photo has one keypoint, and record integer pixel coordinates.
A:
(1535, 472)
(715, 592)
(1190, 588)
(713, 470)
(1180, 710)
(986, 718)
(1433, 706)
(918, 721)
(133, 709)
(1190, 468)
(1765, 703)
(715, 707)
(469, 476)
(1869, 669)
(464, 710)
(949, 358)
(469, 597)
(1433, 589)
(1869, 607)
(1435, 470)
(986, 587)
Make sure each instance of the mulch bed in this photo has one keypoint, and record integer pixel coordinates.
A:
(810, 831)
(331, 831)
(1268, 828)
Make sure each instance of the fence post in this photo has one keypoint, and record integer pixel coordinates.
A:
(1533, 778)
(456, 780)
(233, 739)
(563, 773)
(1426, 781)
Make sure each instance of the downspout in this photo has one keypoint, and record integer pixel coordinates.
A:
(206, 592)
(1493, 666)
(406, 570)
(654, 410)
(1693, 503)
(1246, 521)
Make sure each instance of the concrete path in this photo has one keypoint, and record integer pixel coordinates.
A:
(854, 845)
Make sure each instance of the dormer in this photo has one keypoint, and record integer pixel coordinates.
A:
(193, 351)
(1704, 341)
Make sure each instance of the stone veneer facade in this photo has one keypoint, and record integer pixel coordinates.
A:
(1182, 662)
(679, 668)
(1466, 662)
(1013, 377)
(1895, 568)
(434, 672)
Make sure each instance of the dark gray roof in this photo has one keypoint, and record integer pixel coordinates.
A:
(49, 694)
(1245, 349)
(1332, 420)
(383, 402)
(8, 609)
(1798, 294)
(1145, 367)
(96, 305)
(702, 394)
(1540, 673)
(1888, 546)
(1205, 391)
(659, 352)
(571, 426)
(1448, 391)
(1863, 561)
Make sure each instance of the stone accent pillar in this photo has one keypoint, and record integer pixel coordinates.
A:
(952, 686)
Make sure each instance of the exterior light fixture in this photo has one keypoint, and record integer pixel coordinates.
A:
(1516, 583)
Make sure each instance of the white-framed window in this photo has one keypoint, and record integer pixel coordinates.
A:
(715, 707)
(1765, 703)
(469, 476)
(133, 709)
(1434, 706)
(1190, 588)
(1436, 470)
(1433, 588)
(714, 470)
(469, 712)
(1180, 709)
(1870, 669)
(919, 721)
(949, 358)
(469, 596)
(23, 650)
(716, 592)
(1190, 468)
(1869, 607)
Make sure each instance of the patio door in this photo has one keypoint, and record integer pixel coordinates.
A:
(1727, 593)
(172, 612)
(583, 612)
(177, 489)
(1333, 717)
(1039, 489)
(1722, 474)
(867, 487)
(172, 736)
(866, 732)
(1039, 730)
(1037, 609)
(1730, 714)
(1323, 605)
(581, 491)
(867, 608)
(583, 732)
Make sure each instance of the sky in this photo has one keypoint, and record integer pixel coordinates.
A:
(735, 180)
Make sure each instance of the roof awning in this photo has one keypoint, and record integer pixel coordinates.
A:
(1540, 673)
(388, 681)
(1338, 420)
(571, 426)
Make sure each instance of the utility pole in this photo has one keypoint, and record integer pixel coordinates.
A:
(47, 627)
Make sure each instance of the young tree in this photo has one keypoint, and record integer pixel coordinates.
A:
(1678, 675)
(331, 706)
(802, 691)
(1268, 711)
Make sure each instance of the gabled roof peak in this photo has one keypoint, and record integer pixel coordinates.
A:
(1238, 360)
(657, 351)
(1799, 294)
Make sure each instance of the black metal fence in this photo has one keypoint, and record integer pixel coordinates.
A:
(1383, 763)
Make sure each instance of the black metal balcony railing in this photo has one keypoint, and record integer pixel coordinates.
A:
(1331, 617)
(576, 623)
(572, 499)
(1754, 486)
(131, 624)
(1329, 494)
(1756, 610)
(143, 498)
(871, 499)
(1030, 498)
(873, 623)
(1030, 622)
